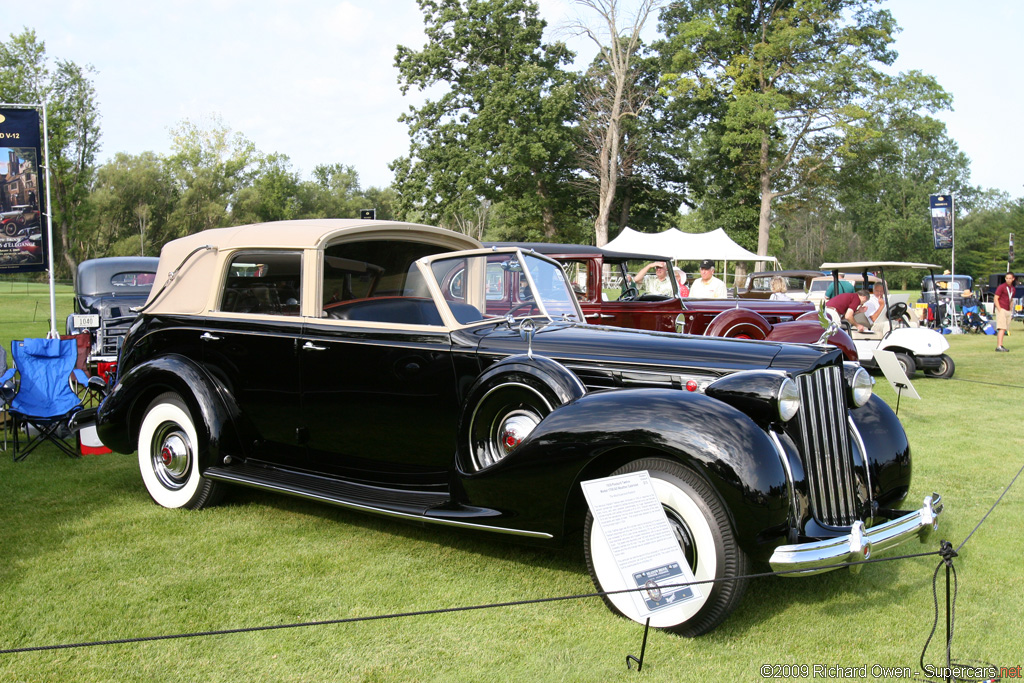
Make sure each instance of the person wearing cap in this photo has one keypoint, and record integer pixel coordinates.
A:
(684, 291)
(708, 286)
(660, 283)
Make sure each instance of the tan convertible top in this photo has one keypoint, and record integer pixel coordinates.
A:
(190, 267)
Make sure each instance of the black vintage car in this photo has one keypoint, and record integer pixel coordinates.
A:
(106, 290)
(401, 370)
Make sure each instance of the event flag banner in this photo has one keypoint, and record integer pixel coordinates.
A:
(941, 206)
(22, 247)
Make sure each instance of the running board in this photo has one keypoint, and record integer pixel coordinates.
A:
(420, 506)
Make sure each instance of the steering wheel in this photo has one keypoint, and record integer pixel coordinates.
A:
(512, 311)
(897, 311)
(630, 293)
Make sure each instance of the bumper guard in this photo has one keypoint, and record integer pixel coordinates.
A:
(860, 544)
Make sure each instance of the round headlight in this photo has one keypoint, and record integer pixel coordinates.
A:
(861, 386)
(789, 400)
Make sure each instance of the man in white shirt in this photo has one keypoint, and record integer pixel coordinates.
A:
(659, 284)
(708, 286)
(874, 309)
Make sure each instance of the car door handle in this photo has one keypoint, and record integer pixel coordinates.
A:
(310, 346)
(206, 336)
(602, 316)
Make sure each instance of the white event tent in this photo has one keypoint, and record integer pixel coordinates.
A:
(685, 246)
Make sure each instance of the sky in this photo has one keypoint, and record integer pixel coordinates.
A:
(315, 79)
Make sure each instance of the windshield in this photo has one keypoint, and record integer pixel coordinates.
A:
(481, 287)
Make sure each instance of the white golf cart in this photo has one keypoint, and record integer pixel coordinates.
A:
(915, 347)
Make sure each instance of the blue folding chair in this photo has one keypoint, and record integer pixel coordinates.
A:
(43, 398)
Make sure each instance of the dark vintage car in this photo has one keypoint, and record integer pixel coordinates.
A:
(106, 290)
(946, 286)
(589, 268)
(996, 279)
(399, 369)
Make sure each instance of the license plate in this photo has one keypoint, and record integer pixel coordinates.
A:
(85, 321)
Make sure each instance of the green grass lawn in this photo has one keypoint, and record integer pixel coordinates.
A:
(85, 556)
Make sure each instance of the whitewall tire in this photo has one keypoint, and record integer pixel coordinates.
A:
(169, 454)
(700, 522)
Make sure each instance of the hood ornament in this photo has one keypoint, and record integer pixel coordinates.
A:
(831, 327)
(526, 330)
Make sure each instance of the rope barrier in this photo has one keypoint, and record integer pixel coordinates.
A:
(946, 552)
(441, 610)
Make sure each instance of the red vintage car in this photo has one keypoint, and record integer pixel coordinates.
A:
(625, 304)
(17, 219)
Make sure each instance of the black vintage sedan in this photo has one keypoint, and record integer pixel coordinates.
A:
(402, 370)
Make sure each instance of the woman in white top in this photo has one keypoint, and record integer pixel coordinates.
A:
(779, 289)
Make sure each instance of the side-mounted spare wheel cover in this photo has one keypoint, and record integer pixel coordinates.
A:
(739, 323)
(507, 402)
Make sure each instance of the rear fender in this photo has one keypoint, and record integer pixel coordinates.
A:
(808, 330)
(121, 413)
(593, 435)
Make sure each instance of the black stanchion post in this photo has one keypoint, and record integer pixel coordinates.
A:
(947, 553)
(643, 648)
(899, 392)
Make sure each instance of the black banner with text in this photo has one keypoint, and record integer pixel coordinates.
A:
(941, 206)
(22, 245)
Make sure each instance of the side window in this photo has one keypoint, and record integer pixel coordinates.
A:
(378, 281)
(576, 274)
(263, 282)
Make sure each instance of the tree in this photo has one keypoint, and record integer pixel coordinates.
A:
(884, 187)
(273, 194)
(796, 83)
(334, 192)
(614, 92)
(208, 166)
(72, 125)
(132, 199)
(502, 129)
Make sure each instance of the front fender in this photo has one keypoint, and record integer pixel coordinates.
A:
(593, 435)
(120, 415)
(887, 451)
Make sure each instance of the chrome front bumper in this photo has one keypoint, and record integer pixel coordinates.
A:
(816, 557)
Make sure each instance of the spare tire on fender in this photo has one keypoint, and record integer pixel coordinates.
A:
(739, 323)
(507, 402)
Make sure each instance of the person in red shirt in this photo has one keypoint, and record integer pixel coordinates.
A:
(847, 305)
(1004, 308)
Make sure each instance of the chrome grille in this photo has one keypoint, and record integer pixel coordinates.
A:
(825, 445)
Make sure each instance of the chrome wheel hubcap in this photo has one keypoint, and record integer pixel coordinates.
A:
(172, 456)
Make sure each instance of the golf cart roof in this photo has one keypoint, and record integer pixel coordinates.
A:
(860, 265)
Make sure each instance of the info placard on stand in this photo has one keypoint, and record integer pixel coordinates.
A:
(898, 379)
(634, 547)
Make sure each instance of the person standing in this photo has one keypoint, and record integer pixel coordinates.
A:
(1004, 308)
(708, 286)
